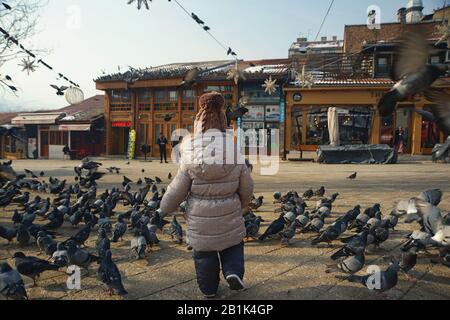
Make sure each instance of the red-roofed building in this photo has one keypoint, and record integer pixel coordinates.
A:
(79, 126)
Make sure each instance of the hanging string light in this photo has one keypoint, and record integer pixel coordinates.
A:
(28, 65)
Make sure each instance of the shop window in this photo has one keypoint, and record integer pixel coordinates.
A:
(120, 96)
(402, 129)
(144, 100)
(355, 125)
(296, 129)
(166, 100)
(430, 132)
(317, 127)
(387, 130)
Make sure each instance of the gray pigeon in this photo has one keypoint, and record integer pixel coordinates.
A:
(380, 281)
(60, 256)
(352, 264)
(409, 261)
(109, 274)
(433, 196)
(79, 257)
(11, 283)
(138, 245)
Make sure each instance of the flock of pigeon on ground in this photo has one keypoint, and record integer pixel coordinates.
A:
(82, 207)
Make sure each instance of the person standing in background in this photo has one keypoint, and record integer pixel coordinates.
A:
(162, 142)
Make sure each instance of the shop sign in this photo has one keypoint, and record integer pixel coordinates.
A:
(121, 124)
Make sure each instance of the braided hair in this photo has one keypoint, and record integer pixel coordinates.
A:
(211, 114)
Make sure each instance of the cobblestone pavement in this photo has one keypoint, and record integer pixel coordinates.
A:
(272, 271)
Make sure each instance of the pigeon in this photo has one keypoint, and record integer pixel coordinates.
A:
(408, 261)
(380, 281)
(32, 267)
(308, 194)
(423, 212)
(119, 229)
(352, 176)
(11, 283)
(355, 245)
(234, 114)
(288, 234)
(16, 218)
(320, 192)
(60, 256)
(433, 196)
(79, 257)
(23, 235)
(352, 264)
(190, 78)
(315, 225)
(102, 244)
(109, 274)
(46, 243)
(83, 235)
(274, 228)
(176, 231)
(138, 245)
(442, 237)
(411, 71)
(252, 227)
(440, 110)
(302, 220)
(256, 203)
(329, 235)
(8, 233)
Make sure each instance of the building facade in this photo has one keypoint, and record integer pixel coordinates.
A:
(80, 127)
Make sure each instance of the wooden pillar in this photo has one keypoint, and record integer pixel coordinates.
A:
(108, 128)
(134, 120)
(375, 136)
(288, 129)
(180, 111)
(416, 134)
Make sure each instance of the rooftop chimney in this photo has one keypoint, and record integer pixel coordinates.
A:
(334, 38)
(414, 12)
(324, 39)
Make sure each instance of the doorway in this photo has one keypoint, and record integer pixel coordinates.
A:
(167, 129)
(120, 138)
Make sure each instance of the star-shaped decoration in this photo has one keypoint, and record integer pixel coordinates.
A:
(443, 32)
(28, 65)
(270, 86)
(305, 79)
(140, 3)
(236, 74)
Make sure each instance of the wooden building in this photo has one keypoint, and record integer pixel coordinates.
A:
(79, 126)
(156, 102)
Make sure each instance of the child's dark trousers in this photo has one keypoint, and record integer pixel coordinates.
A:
(207, 266)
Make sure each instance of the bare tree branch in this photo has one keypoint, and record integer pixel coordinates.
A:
(21, 23)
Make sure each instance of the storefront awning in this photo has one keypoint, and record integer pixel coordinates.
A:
(74, 127)
(36, 118)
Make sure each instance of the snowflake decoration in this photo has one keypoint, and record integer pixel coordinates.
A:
(28, 65)
(139, 3)
(236, 74)
(270, 86)
(443, 31)
(306, 79)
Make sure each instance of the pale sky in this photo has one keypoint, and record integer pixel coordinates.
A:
(112, 33)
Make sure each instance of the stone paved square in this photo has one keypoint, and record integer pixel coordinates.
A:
(272, 271)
